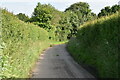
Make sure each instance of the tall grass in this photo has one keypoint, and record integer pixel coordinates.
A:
(20, 46)
(97, 45)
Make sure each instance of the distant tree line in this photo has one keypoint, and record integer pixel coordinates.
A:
(64, 25)
(109, 10)
(23, 17)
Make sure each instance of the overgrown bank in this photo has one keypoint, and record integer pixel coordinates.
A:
(96, 44)
(20, 46)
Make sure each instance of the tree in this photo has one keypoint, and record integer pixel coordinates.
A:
(61, 25)
(115, 8)
(80, 6)
(78, 14)
(104, 12)
(63, 29)
(42, 17)
(82, 10)
(41, 14)
(68, 26)
(109, 10)
(22, 17)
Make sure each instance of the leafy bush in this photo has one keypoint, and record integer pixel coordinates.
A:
(20, 46)
(96, 44)
(23, 17)
(61, 26)
(109, 10)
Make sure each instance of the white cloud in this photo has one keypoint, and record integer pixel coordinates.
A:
(32, 0)
(60, 1)
(27, 6)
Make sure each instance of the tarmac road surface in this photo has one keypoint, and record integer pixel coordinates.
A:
(56, 62)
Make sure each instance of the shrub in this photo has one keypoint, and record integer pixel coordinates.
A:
(96, 44)
(21, 44)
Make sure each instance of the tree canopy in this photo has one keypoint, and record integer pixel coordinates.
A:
(83, 11)
(109, 10)
(61, 25)
(64, 25)
(23, 17)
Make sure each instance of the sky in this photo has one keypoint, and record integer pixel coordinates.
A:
(27, 6)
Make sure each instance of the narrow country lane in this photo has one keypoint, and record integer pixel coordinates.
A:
(56, 62)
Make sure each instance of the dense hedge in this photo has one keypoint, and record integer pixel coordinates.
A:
(20, 46)
(97, 44)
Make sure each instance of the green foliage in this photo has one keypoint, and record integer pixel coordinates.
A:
(42, 16)
(109, 10)
(61, 25)
(77, 13)
(67, 26)
(71, 19)
(80, 6)
(20, 46)
(22, 17)
(82, 10)
(96, 44)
